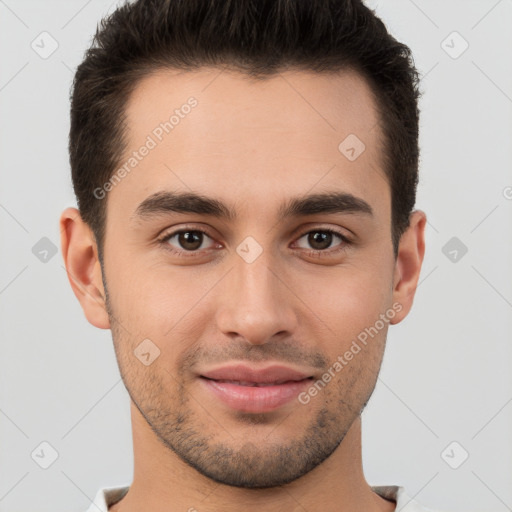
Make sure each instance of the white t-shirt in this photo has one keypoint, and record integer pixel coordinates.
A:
(107, 496)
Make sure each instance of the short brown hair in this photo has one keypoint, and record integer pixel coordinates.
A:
(257, 37)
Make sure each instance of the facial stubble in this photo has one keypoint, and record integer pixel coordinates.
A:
(190, 429)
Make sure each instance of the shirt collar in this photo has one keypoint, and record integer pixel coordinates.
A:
(107, 496)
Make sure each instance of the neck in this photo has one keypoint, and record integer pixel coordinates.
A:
(163, 482)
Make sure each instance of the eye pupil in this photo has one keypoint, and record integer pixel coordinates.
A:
(325, 239)
(186, 240)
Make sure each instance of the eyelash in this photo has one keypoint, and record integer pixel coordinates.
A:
(312, 252)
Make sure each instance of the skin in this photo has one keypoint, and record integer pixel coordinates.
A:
(251, 145)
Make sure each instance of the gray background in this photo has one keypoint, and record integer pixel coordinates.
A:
(446, 375)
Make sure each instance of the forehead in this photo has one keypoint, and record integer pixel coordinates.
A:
(221, 133)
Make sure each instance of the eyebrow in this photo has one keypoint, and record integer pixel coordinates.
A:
(164, 202)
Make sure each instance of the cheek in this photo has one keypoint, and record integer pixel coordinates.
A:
(347, 299)
(163, 305)
(144, 292)
(346, 307)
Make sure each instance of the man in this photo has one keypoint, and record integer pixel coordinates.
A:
(246, 174)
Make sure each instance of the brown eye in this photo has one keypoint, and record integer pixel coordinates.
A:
(320, 240)
(190, 240)
(185, 240)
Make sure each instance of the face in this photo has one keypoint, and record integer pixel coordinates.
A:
(230, 309)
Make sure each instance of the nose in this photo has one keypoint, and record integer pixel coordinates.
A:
(256, 305)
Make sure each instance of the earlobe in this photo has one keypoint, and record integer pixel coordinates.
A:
(83, 268)
(408, 264)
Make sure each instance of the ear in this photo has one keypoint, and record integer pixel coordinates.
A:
(408, 264)
(80, 254)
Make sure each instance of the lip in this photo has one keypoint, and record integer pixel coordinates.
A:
(255, 390)
(274, 374)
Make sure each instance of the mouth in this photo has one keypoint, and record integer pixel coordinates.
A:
(248, 389)
(255, 384)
